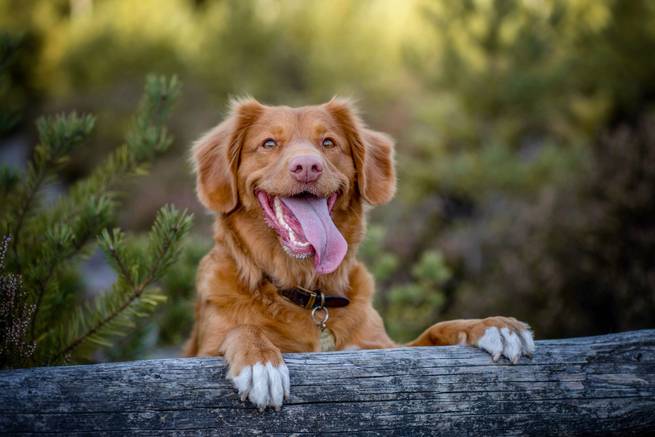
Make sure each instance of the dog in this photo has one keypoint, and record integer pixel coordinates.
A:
(290, 188)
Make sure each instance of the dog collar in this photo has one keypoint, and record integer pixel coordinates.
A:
(310, 299)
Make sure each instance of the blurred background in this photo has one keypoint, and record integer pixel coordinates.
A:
(525, 132)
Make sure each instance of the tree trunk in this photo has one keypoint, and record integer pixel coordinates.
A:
(594, 385)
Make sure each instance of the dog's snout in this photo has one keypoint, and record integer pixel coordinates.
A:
(306, 168)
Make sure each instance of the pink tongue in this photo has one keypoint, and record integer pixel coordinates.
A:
(322, 234)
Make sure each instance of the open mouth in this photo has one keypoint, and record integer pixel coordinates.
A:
(305, 228)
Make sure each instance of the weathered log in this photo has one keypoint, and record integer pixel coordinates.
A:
(594, 385)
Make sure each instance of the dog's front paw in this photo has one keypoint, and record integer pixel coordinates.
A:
(504, 336)
(264, 384)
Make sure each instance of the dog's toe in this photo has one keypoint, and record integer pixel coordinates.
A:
(243, 382)
(511, 345)
(527, 342)
(491, 342)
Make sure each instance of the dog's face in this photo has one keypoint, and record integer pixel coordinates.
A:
(296, 166)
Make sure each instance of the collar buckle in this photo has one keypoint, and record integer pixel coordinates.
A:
(309, 299)
(316, 298)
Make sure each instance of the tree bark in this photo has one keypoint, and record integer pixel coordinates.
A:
(594, 385)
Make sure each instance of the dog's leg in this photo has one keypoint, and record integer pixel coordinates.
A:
(257, 368)
(497, 335)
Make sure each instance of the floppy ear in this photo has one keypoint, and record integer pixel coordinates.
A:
(373, 154)
(216, 154)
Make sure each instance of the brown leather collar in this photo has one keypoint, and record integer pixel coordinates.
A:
(310, 299)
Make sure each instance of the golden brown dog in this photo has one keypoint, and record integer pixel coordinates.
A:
(289, 186)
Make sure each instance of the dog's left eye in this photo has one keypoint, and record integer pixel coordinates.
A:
(269, 143)
(328, 143)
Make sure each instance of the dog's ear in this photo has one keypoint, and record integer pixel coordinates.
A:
(216, 154)
(373, 153)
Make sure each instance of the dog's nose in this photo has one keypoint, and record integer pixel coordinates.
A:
(306, 168)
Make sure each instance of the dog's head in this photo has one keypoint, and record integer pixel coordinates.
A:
(296, 167)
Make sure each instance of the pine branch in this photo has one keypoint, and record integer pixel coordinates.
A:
(45, 243)
(58, 136)
(116, 308)
(63, 243)
(119, 253)
(146, 137)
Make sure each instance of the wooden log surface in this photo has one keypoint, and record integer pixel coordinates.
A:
(594, 385)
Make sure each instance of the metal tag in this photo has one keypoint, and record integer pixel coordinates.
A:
(328, 343)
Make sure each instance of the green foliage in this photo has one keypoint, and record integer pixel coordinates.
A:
(566, 248)
(514, 97)
(146, 137)
(175, 320)
(508, 98)
(58, 136)
(170, 324)
(58, 323)
(382, 263)
(131, 296)
(416, 305)
(407, 307)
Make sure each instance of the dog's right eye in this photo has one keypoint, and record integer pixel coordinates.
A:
(269, 143)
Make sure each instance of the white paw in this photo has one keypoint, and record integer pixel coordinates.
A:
(265, 385)
(506, 342)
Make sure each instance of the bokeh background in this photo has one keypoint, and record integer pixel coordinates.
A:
(525, 131)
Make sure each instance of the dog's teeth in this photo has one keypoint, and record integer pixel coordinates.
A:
(291, 253)
(278, 210)
(280, 215)
(292, 236)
